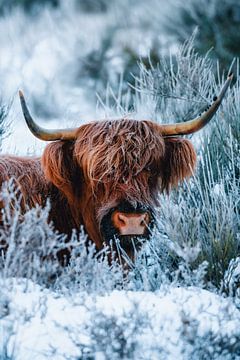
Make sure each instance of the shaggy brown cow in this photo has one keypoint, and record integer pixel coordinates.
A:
(106, 175)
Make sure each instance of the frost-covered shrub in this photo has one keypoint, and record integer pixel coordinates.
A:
(116, 338)
(206, 219)
(126, 38)
(231, 284)
(28, 244)
(179, 88)
(90, 270)
(209, 345)
(29, 247)
(7, 330)
(221, 146)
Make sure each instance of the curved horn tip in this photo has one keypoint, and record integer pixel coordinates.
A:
(20, 93)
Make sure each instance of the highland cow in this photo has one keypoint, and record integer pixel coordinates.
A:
(106, 175)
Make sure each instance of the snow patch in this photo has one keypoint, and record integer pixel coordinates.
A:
(49, 324)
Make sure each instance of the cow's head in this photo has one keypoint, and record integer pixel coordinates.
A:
(112, 171)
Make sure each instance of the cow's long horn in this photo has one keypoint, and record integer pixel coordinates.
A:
(198, 123)
(45, 134)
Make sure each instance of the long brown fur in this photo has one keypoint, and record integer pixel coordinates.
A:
(28, 176)
(109, 161)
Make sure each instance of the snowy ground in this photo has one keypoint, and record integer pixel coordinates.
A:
(45, 324)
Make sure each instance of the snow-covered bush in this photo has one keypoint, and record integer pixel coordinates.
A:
(115, 55)
(232, 279)
(28, 244)
(172, 323)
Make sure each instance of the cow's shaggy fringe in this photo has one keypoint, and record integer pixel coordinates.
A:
(119, 143)
(117, 157)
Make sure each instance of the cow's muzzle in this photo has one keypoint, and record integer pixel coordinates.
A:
(128, 226)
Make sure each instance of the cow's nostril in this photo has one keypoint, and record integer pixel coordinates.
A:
(121, 219)
(130, 223)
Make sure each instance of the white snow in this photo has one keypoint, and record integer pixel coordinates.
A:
(49, 324)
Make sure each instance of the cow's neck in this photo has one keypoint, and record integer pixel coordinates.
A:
(61, 213)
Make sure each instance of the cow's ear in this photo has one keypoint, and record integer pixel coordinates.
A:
(179, 162)
(59, 167)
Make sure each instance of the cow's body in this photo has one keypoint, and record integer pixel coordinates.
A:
(35, 189)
